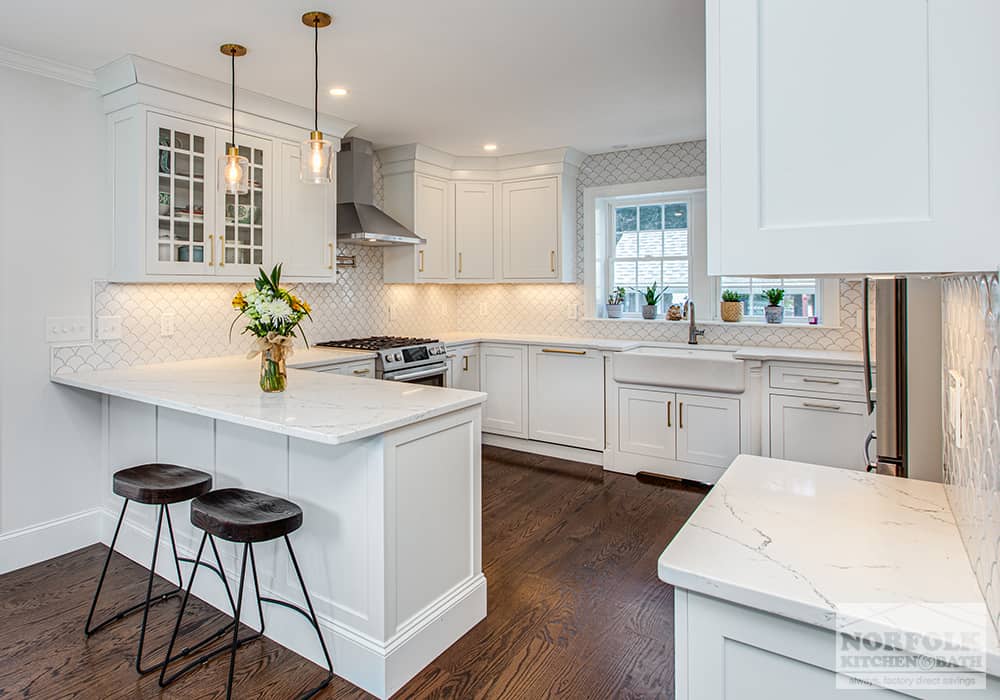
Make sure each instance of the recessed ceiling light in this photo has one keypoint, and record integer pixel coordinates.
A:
(338, 91)
(489, 147)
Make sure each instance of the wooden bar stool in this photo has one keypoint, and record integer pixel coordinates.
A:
(238, 515)
(158, 485)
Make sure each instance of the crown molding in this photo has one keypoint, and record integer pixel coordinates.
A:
(45, 67)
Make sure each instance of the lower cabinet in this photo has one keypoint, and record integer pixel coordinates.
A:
(364, 369)
(825, 431)
(689, 436)
(566, 396)
(504, 376)
(463, 368)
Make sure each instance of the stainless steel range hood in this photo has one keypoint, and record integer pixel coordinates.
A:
(358, 220)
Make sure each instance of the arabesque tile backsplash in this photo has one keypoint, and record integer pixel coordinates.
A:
(360, 304)
(971, 339)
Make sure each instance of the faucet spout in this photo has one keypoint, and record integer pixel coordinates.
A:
(693, 330)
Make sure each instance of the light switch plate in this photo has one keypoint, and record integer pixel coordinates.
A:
(109, 327)
(167, 324)
(67, 329)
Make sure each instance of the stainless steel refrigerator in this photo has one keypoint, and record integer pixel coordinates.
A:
(902, 349)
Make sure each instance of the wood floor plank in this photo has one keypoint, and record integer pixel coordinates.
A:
(574, 606)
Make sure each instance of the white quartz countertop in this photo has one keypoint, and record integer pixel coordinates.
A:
(749, 352)
(805, 542)
(304, 358)
(316, 406)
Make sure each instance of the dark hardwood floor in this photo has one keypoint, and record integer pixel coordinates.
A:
(574, 606)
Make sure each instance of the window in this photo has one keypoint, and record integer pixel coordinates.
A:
(800, 302)
(650, 244)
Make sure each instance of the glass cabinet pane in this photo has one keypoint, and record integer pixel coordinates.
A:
(244, 214)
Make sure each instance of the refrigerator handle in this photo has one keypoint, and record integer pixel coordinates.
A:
(870, 464)
(867, 350)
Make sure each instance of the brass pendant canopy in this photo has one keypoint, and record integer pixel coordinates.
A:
(317, 19)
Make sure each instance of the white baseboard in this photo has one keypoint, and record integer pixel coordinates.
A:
(380, 668)
(547, 449)
(36, 543)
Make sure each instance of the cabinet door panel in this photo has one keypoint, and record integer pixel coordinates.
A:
(819, 431)
(474, 230)
(306, 230)
(181, 197)
(243, 222)
(708, 429)
(531, 229)
(467, 370)
(646, 423)
(566, 397)
(431, 222)
(895, 187)
(505, 379)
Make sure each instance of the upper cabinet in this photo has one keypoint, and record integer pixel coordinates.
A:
(852, 136)
(166, 131)
(506, 219)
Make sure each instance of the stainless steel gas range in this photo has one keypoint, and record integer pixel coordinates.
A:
(414, 360)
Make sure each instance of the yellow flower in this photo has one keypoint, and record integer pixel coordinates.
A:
(298, 304)
(239, 302)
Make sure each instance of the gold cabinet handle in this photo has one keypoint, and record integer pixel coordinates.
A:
(552, 260)
(333, 257)
(362, 371)
(420, 267)
(459, 263)
(670, 409)
(211, 250)
(680, 415)
(465, 363)
(450, 357)
(222, 251)
(827, 406)
(562, 351)
(811, 380)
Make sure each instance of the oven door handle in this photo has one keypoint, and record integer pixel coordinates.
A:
(418, 374)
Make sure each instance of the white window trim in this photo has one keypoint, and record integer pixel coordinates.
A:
(705, 291)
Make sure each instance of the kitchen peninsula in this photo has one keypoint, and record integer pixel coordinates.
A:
(388, 476)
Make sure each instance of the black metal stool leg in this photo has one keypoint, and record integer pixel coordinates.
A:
(149, 593)
(180, 613)
(104, 572)
(173, 545)
(236, 628)
(315, 623)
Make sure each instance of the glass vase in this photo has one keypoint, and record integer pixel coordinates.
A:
(273, 375)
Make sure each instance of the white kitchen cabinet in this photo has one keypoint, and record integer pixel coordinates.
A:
(306, 228)
(504, 376)
(829, 431)
(566, 396)
(422, 203)
(646, 420)
(531, 229)
(243, 223)
(879, 158)
(708, 429)
(362, 369)
(463, 367)
(474, 230)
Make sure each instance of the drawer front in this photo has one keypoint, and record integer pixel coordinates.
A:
(845, 382)
(364, 369)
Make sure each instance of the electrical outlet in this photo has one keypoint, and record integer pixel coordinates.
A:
(109, 327)
(388, 313)
(167, 324)
(65, 329)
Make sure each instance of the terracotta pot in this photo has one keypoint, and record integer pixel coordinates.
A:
(732, 311)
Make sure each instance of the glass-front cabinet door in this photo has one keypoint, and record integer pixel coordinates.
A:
(182, 196)
(244, 221)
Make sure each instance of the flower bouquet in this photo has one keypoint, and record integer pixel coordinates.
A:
(274, 315)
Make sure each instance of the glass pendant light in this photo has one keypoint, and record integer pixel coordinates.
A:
(234, 169)
(316, 153)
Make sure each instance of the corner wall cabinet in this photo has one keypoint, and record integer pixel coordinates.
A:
(898, 178)
(166, 130)
(507, 219)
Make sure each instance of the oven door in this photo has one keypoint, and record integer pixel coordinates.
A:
(431, 375)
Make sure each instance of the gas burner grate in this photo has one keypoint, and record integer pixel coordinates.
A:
(380, 342)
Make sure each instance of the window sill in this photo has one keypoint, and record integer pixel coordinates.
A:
(717, 322)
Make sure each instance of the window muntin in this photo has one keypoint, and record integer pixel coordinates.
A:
(800, 302)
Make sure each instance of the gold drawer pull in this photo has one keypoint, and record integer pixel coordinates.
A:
(362, 371)
(810, 380)
(211, 250)
(420, 268)
(827, 406)
(552, 261)
(680, 415)
(670, 409)
(222, 251)
(451, 357)
(561, 351)
(465, 363)
(460, 263)
(333, 257)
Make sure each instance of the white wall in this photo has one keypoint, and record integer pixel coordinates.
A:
(54, 239)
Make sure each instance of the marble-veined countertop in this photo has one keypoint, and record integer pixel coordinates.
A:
(316, 406)
(806, 542)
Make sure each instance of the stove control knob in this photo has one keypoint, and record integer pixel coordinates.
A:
(388, 358)
(399, 357)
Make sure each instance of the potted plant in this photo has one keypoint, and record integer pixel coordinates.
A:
(774, 312)
(732, 306)
(615, 302)
(652, 296)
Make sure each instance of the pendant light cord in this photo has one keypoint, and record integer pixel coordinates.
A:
(232, 54)
(316, 74)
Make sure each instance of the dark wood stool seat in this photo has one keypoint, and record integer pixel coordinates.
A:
(239, 515)
(158, 484)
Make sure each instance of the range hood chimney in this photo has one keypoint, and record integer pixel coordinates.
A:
(358, 220)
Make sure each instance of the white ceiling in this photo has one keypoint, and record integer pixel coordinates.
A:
(452, 74)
